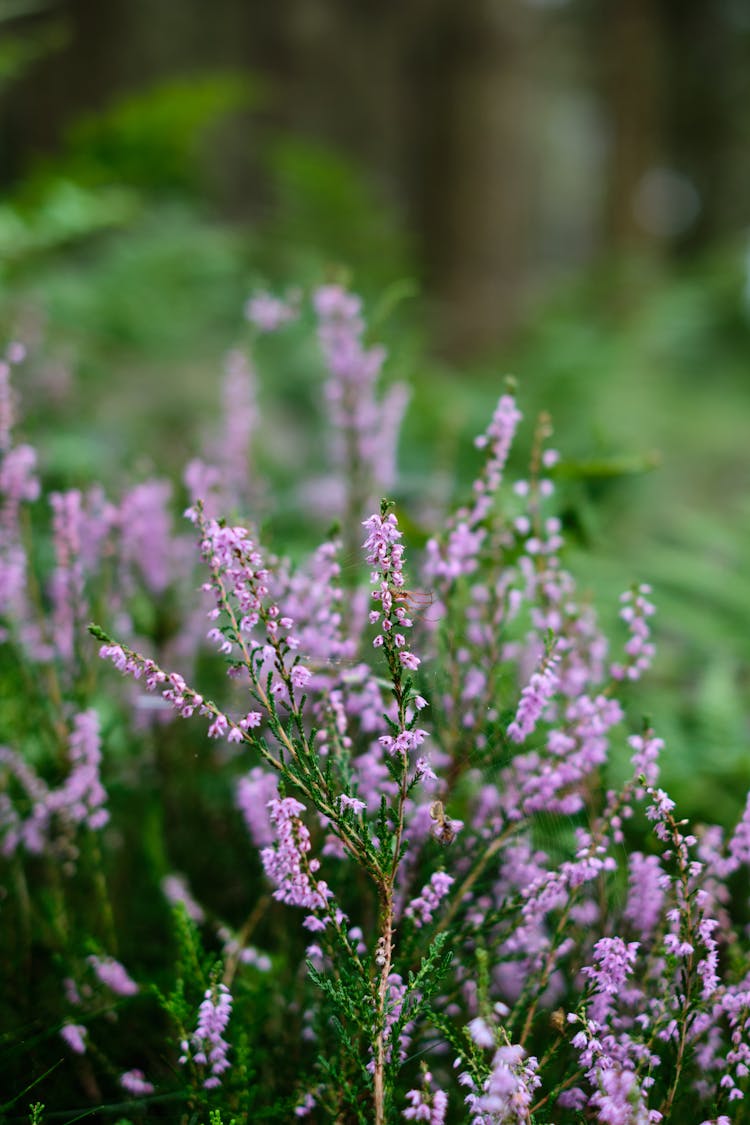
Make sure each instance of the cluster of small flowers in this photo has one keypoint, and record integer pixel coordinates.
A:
(312, 597)
(225, 482)
(114, 975)
(361, 424)
(175, 691)
(540, 916)
(610, 1064)
(134, 1082)
(175, 890)
(79, 800)
(147, 545)
(286, 863)
(254, 793)
(268, 313)
(240, 584)
(384, 550)
(18, 485)
(74, 1035)
(422, 908)
(506, 1095)
(534, 697)
(639, 649)
(459, 555)
(207, 1046)
(430, 1105)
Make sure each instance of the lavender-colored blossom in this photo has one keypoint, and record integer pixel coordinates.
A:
(610, 1063)
(306, 1106)
(207, 1046)
(481, 1032)
(384, 550)
(75, 1035)
(134, 1082)
(82, 796)
(32, 831)
(286, 863)
(268, 313)
(553, 781)
(613, 963)
(646, 756)
(67, 586)
(646, 894)
(353, 803)
(458, 556)
(241, 585)
(175, 890)
(422, 908)
(255, 792)
(739, 844)
(114, 975)
(185, 701)
(427, 1104)
(639, 650)
(506, 1096)
(203, 483)
(18, 485)
(534, 698)
(78, 800)
(147, 546)
(364, 427)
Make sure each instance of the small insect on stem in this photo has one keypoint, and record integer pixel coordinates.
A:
(444, 829)
(414, 599)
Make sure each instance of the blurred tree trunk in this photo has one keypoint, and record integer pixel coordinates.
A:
(631, 51)
(470, 175)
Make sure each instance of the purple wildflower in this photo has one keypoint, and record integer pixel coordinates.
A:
(147, 545)
(427, 1104)
(286, 863)
(134, 1082)
(81, 797)
(422, 908)
(268, 313)
(739, 845)
(639, 650)
(75, 1035)
(383, 549)
(18, 485)
(506, 1096)
(365, 427)
(645, 894)
(175, 889)
(481, 1032)
(207, 1046)
(646, 757)
(534, 698)
(254, 794)
(459, 556)
(112, 974)
(613, 963)
(353, 803)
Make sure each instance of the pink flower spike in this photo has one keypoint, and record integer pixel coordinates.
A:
(74, 1035)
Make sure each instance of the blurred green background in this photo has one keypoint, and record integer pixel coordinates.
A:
(553, 188)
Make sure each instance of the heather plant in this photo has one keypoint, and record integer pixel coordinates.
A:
(439, 877)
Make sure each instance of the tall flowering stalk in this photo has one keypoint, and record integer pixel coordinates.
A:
(384, 551)
(365, 425)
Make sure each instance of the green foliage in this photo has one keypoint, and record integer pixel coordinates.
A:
(117, 164)
(19, 52)
(154, 140)
(326, 214)
(63, 213)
